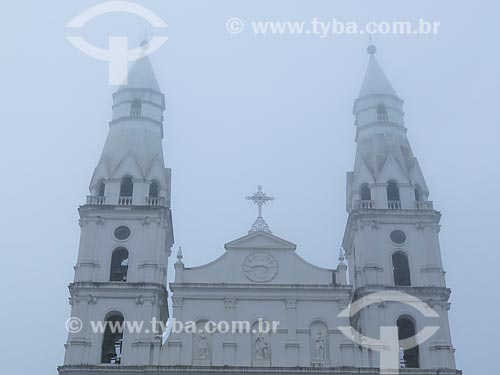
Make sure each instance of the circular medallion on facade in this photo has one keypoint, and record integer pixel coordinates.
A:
(398, 237)
(122, 233)
(260, 267)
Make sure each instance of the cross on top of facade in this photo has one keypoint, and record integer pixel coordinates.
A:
(260, 198)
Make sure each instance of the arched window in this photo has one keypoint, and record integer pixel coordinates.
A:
(392, 191)
(127, 187)
(406, 330)
(401, 269)
(100, 189)
(119, 265)
(154, 189)
(111, 350)
(382, 113)
(366, 194)
(135, 108)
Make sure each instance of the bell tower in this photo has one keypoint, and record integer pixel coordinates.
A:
(126, 235)
(391, 237)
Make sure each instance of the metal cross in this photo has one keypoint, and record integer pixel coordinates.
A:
(260, 198)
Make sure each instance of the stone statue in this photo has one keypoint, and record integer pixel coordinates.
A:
(202, 346)
(320, 350)
(261, 348)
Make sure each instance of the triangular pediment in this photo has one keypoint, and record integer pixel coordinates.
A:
(128, 166)
(417, 177)
(101, 172)
(156, 171)
(362, 174)
(392, 170)
(260, 240)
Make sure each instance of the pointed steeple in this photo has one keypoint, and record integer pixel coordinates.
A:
(383, 153)
(133, 148)
(375, 81)
(141, 75)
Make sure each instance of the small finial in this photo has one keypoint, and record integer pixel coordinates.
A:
(179, 254)
(371, 48)
(145, 42)
(341, 256)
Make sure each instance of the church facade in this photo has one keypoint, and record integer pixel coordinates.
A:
(259, 308)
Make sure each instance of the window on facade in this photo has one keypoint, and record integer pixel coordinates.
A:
(119, 265)
(382, 113)
(135, 108)
(392, 191)
(100, 189)
(366, 194)
(401, 269)
(406, 330)
(154, 189)
(111, 350)
(127, 187)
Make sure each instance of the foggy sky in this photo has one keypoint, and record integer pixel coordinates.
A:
(244, 110)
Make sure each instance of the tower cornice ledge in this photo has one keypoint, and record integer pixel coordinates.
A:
(114, 285)
(417, 291)
(129, 118)
(88, 208)
(399, 214)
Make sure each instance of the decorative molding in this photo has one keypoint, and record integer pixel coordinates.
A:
(292, 344)
(79, 341)
(373, 266)
(229, 303)
(260, 267)
(90, 299)
(147, 264)
(325, 287)
(291, 304)
(440, 346)
(343, 304)
(229, 344)
(177, 301)
(173, 341)
(139, 300)
(87, 263)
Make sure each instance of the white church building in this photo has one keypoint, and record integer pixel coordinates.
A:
(259, 308)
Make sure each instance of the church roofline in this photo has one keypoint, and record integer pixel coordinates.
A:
(318, 287)
(231, 370)
(239, 243)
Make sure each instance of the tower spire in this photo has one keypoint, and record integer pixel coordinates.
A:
(141, 75)
(375, 81)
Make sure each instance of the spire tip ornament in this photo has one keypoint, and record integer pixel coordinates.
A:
(259, 198)
(371, 49)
